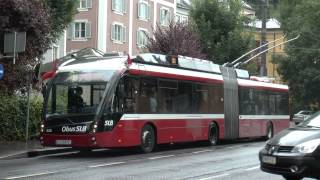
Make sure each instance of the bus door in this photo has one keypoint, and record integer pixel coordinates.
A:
(123, 102)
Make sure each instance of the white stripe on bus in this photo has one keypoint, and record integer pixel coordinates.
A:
(129, 117)
(262, 117)
(176, 71)
(132, 117)
(248, 83)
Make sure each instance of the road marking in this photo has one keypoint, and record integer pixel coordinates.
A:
(217, 176)
(30, 175)
(12, 155)
(253, 168)
(231, 147)
(159, 157)
(108, 164)
(196, 152)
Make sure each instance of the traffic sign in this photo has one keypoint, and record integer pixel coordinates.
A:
(1, 71)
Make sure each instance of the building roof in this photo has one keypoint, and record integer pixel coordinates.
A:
(246, 5)
(271, 24)
(185, 4)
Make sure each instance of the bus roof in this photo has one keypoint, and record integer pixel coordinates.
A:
(158, 65)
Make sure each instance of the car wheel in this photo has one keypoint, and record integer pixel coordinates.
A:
(147, 139)
(213, 138)
(269, 131)
(287, 177)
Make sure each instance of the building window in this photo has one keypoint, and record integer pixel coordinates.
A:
(118, 33)
(143, 10)
(79, 30)
(181, 18)
(85, 4)
(178, 18)
(142, 37)
(119, 6)
(55, 52)
(164, 17)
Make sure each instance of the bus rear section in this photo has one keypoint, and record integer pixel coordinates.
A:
(253, 108)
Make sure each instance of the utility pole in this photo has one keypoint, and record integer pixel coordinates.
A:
(263, 66)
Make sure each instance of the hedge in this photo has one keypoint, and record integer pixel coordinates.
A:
(13, 115)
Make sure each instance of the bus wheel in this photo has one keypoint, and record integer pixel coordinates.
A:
(269, 131)
(147, 139)
(213, 134)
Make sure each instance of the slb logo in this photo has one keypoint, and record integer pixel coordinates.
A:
(108, 123)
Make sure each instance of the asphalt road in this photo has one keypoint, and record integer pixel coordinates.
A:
(230, 160)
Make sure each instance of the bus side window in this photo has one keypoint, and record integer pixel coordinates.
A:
(216, 103)
(116, 100)
(129, 98)
(168, 90)
(182, 102)
(147, 99)
(125, 95)
(200, 97)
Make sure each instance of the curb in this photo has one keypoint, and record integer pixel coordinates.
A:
(37, 152)
(43, 152)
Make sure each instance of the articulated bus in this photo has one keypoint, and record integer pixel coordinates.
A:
(97, 101)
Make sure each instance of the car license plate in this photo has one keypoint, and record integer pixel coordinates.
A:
(63, 142)
(269, 159)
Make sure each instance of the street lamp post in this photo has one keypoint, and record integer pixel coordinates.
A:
(28, 105)
(263, 67)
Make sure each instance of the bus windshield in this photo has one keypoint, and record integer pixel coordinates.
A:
(77, 92)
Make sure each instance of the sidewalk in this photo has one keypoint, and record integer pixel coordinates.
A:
(19, 149)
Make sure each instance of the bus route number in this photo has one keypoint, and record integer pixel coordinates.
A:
(108, 123)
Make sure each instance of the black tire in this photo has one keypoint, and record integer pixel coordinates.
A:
(270, 132)
(213, 135)
(287, 177)
(148, 140)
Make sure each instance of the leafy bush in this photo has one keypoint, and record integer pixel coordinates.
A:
(13, 115)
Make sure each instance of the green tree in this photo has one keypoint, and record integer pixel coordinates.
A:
(221, 29)
(43, 21)
(300, 67)
(61, 14)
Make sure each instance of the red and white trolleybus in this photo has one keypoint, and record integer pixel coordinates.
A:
(96, 101)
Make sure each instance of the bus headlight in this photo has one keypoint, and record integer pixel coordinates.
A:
(306, 147)
(42, 127)
(94, 129)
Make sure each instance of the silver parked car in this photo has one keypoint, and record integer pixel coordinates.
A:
(301, 116)
(294, 152)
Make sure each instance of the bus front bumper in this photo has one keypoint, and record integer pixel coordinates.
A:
(63, 140)
(92, 140)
